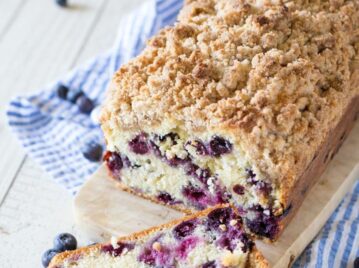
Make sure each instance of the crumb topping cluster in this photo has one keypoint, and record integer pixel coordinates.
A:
(273, 73)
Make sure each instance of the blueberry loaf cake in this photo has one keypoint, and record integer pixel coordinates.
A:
(212, 238)
(241, 101)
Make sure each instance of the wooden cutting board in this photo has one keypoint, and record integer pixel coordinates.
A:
(102, 210)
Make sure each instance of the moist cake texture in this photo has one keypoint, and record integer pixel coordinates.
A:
(213, 238)
(233, 104)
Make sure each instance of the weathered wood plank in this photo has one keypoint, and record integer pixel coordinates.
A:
(105, 32)
(35, 208)
(42, 43)
(9, 10)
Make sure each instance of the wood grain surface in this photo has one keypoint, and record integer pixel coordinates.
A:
(102, 210)
(39, 42)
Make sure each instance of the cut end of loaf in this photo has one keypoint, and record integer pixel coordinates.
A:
(212, 238)
(194, 172)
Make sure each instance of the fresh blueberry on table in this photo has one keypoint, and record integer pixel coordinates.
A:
(85, 104)
(92, 152)
(61, 3)
(65, 241)
(74, 94)
(62, 91)
(47, 256)
(356, 262)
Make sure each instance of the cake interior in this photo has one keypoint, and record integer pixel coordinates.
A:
(214, 240)
(195, 172)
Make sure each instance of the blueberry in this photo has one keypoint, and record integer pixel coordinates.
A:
(61, 3)
(85, 104)
(65, 241)
(74, 94)
(185, 247)
(264, 224)
(114, 162)
(92, 152)
(62, 91)
(194, 194)
(225, 242)
(47, 256)
(184, 229)
(121, 247)
(218, 146)
(356, 262)
(165, 197)
(139, 144)
(200, 148)
(238, 189)
(219, 216)
(148, 256)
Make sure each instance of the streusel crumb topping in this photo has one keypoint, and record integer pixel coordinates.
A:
(277, 73)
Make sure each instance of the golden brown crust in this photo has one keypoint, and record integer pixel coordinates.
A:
(257, 260)
(265, 75)
(60, 258)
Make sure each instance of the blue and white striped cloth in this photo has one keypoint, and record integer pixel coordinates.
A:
(53, 131)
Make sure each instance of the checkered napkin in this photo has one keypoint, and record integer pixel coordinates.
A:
(53, 131)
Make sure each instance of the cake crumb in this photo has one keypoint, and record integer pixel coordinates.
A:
(156, 246)
(229, 259)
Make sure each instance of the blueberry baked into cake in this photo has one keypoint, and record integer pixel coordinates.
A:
(241, 102)
(213, 238)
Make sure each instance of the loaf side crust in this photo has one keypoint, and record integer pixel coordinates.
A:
(311, 175)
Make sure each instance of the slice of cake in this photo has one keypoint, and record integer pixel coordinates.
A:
(212, 238)
(240, 101)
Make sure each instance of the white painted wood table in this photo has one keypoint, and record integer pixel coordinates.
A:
(39, 42)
